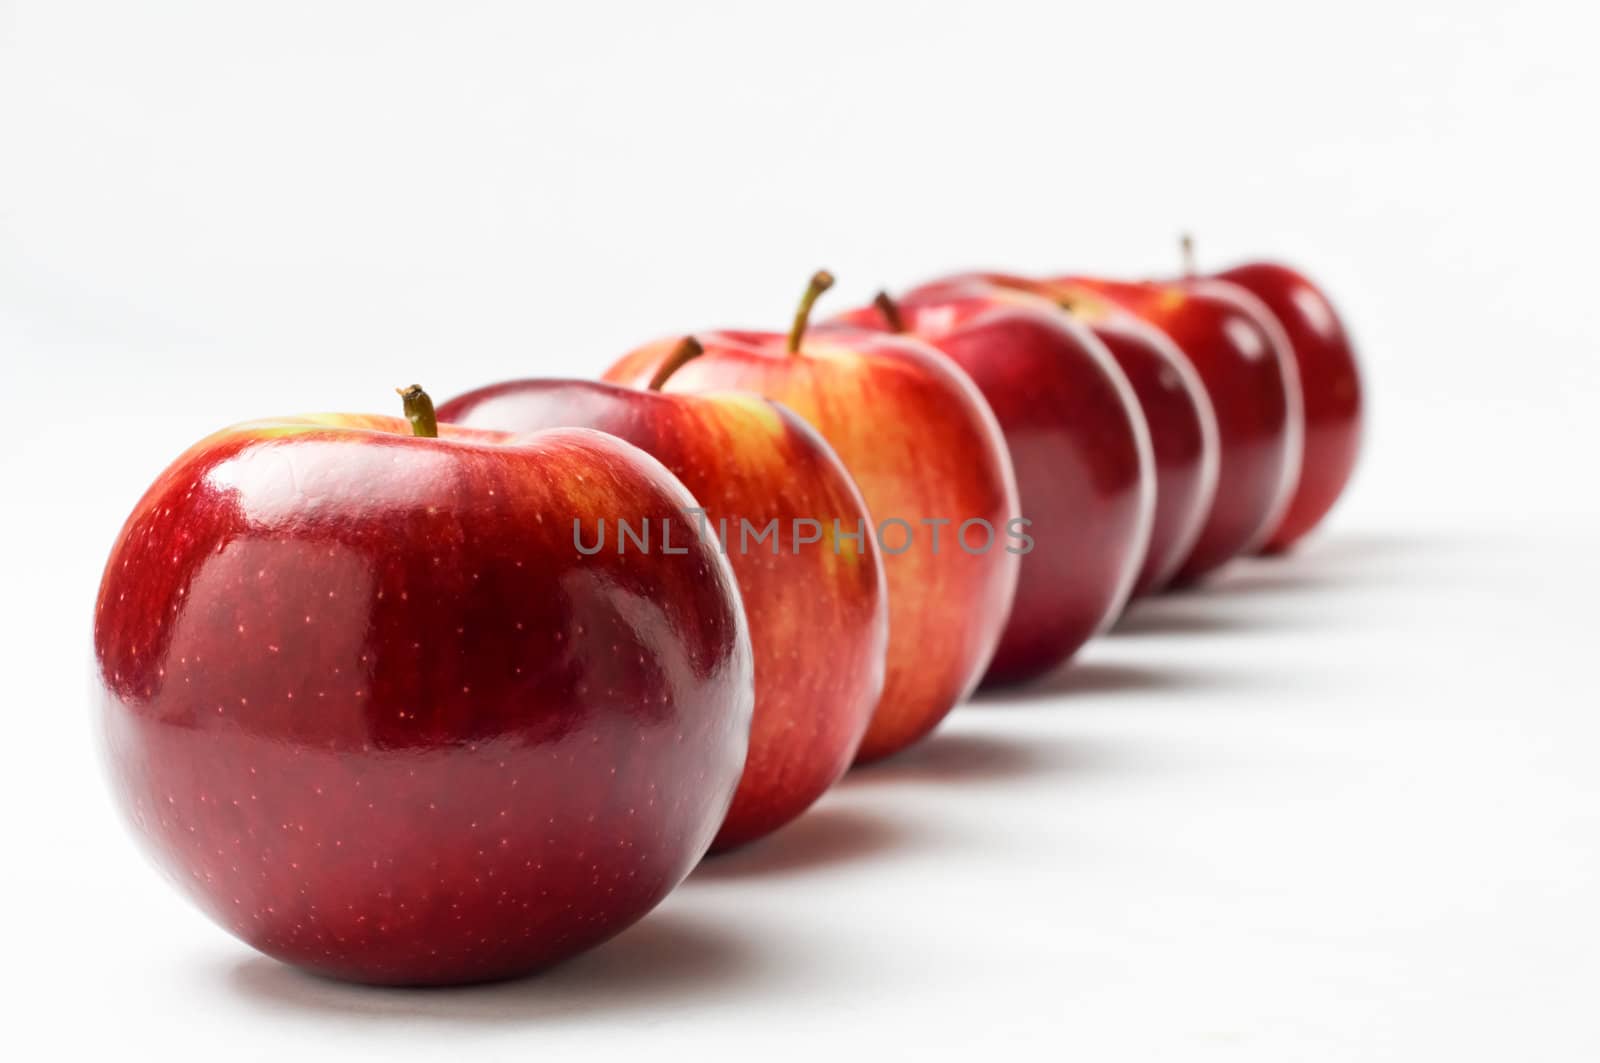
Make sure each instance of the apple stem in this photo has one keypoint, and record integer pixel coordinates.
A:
(687, 350)
(419, 411)
(890, 311)
(821, 281)
(1186, 249)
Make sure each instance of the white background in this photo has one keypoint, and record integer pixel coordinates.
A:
(1342, 806)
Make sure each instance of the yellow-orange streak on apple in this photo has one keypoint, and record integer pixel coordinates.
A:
(910, 436)
(764, 453)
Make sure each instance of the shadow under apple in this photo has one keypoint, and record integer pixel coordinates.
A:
(1089, 678)
(665, 961)
(821, 838)
(1341, 564)
(965, 758)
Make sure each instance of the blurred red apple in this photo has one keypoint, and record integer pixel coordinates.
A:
(817, 605)
(1330, 390)
(1176, 408)
(1078, 444)
(369, 704)
(1242, 356)
(924, 448)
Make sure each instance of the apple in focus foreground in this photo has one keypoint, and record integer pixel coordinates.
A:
(1079, 447)
(1242, 356)
(1330, 389)
(366, 702)
(931, 464)
(816, 603)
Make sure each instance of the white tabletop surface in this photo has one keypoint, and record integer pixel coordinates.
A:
(1339, 806)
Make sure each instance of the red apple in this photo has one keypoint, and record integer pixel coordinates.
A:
(1330, 390)
(369, 704)
(1079, 446)
(925, 450)
(1243, 358)
(817, 605)
(1176, 409)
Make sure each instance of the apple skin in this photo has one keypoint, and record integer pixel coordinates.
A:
(1242, 356)
(1183, 435)
(367, 704)
(1080, 450)
(1330, 391)
(1177, 411)
(920, 443)
(819, 620)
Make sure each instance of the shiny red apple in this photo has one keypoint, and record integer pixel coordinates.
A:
(924, 448)
(1243, 358)
(1176, 409)
(367, 702)
(816, 603)
(1079, 446)
(1330, 390)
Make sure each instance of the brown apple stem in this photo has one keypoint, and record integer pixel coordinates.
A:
(1186, 249)
(419, 411)
(687, 350)
(821, 281)
(890, 311)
